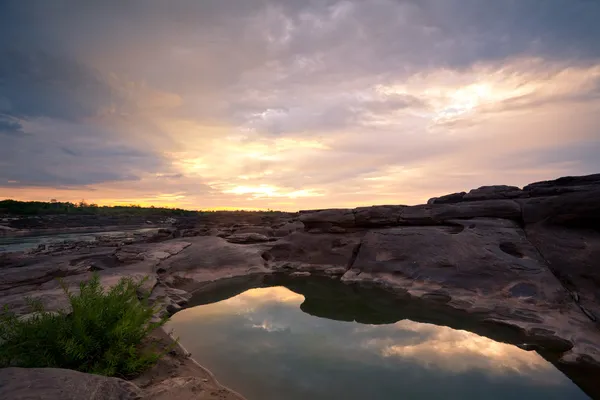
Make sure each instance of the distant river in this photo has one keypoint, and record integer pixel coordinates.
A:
(21, 243)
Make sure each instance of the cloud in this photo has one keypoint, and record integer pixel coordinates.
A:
(288, 104)
(9, 126)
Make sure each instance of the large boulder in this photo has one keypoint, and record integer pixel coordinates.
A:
(347, 220)
(449, 198)
(246, 238)
(495, 192)
(572, 210)
(63, 384)
(438, 214)
(566, 184)
(483, 254)
(485, 267)
(208, 259)
(566, 231)
(333, 220)
(377, 216)
(573, 255)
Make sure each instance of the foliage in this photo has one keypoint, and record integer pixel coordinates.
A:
(14, 207)
(102, 335)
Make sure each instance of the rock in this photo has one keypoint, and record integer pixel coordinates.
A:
(288, 228)
(168, 299)
(247, 238)
(572, 210)
(63, 384)
(377, 216)
(494, 193)
(261, 230)
(461, 256)
(302, 251)
(486, 267)
(566, 181)
(341, 221)
(150, 251)
(211, 258)
(449, 198)
(324, 220)
(437, 214)
(573, 255)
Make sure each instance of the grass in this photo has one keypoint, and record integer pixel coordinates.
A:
(103, 334)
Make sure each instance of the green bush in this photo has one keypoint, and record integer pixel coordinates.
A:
(103, 334)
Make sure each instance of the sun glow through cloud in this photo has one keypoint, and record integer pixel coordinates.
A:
(279, 104)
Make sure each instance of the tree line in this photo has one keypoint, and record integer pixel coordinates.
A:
(53, 207)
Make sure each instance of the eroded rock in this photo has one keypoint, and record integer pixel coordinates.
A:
(247, 238)
(63, 384)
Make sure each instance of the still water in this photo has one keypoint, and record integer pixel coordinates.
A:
(261, 344)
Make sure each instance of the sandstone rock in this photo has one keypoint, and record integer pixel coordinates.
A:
(324, 220)
(63, 384)
(437, 214)
(486, 267)
(573, 255)
(257, 229)
(287, 228)
(150, 251)
(208, 259)
(573, 210)
(462, 256)
(494, 193)
(377, 216)
(433, 214)
(566, 181)
(302, 251)
(449, 198)
(247, 238)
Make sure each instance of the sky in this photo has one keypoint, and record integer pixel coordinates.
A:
(265, 104)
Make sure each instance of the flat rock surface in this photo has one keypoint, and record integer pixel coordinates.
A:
(210, 258)
(63, 384)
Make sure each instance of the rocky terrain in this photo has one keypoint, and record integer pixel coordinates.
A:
(517, 265)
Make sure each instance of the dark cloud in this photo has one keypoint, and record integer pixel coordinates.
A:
(59, 157)
(37, 84)
(9, 126)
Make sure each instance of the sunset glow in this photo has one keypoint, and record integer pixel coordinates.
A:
(292, 105)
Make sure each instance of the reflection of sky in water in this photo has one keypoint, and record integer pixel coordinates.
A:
(261, 344)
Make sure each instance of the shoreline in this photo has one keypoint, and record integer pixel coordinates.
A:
(205, 370)
(178, 375)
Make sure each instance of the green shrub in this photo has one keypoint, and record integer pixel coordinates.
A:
(102, 335)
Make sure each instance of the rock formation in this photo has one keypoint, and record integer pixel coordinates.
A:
(520, 265)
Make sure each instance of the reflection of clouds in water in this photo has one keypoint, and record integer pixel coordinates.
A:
(269, 326)
(460, 351)
(247, 303)
(276, 310)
